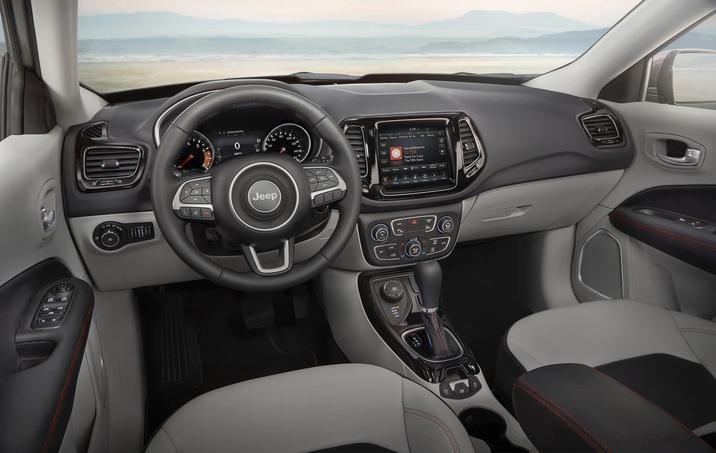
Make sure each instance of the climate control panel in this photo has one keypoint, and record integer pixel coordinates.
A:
(415, 236)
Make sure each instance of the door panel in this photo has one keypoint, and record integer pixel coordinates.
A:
(44, 322)
(38, 366)
(662, 260)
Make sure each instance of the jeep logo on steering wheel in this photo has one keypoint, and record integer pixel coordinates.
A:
(264, 196)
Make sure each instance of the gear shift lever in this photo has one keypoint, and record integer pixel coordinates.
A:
(428, 276)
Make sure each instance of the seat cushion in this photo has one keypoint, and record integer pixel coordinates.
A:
(345, 408)
(666, 356)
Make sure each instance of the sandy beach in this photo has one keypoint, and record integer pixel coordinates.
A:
(116, 76)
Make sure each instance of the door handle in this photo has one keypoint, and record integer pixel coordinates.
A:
(691, 158)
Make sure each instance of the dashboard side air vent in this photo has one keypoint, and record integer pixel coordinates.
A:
(473, 155)
(96, 130)
(356, 137)
(111, 166)
(602, 130)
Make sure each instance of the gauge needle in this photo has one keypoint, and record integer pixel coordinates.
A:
(186, 161)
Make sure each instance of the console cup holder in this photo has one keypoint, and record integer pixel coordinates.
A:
(490, 427)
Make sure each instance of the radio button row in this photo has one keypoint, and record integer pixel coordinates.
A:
(423, 224)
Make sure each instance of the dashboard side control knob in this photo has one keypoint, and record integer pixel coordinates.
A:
(446, 224)
(380, 232)
(392, 291)
(413, 248)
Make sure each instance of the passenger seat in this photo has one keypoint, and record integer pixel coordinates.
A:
(666, 356)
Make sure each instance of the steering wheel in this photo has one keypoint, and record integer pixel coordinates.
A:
(257, 202)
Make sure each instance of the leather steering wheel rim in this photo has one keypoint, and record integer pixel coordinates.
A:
(164, 185)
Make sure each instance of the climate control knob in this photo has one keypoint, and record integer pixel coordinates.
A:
(446, 224)
(380, 232)
(413, 248)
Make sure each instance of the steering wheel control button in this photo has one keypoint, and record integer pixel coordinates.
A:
(111, 236)
(413, 248)
(54, 304)
(392, 291)
(445, 224)
(380, 232)
(264, 197)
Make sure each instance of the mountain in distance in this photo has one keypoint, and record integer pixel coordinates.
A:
(474, 24)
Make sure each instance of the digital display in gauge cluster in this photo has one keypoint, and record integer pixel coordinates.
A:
(237, 142)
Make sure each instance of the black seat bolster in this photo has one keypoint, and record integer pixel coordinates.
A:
(572, 407)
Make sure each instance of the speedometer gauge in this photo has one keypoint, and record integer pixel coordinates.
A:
(198, 154)
(290, 139)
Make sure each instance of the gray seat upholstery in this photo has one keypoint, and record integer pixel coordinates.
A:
(667, 356)
(313, 410)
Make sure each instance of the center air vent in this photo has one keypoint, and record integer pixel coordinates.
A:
(472, 154)
(602, 130)
(356, 137)
(110, 166)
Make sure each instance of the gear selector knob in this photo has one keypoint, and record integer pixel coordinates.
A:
(429, 276)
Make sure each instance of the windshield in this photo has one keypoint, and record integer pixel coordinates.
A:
(139, 43)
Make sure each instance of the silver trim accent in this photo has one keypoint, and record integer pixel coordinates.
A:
(272, 270)
(308, 152)
(691, 158)
(435, 217)
(365, 146)
(448, 331)
(140, 156)
(597, 115)
(231, 198)
(171, 108)
(177, 203)
(412, 120)
(479, 162)
(621, 263)
(341, 183)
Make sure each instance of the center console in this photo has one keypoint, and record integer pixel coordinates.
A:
(403, 307)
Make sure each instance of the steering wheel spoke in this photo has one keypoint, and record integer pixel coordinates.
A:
(283, 264)
(327, 185)
(192, 200)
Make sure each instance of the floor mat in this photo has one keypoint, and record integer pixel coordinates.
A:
(198, 338)
(484, 286)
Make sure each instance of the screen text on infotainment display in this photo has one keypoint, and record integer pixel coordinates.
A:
(413, 155)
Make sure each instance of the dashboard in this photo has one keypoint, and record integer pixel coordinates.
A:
(440, 163)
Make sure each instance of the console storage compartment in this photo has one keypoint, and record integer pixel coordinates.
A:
(572, 407)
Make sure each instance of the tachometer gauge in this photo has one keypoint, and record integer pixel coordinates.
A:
(198, 154)
(290, 139)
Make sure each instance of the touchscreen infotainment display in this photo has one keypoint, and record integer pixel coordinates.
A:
(413, 154)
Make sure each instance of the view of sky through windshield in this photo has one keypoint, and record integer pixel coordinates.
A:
(140, 43)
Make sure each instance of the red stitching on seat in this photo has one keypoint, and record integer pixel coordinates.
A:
(437, 421)
(68, 379)
(563, 415)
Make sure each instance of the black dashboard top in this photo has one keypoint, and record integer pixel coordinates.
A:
(527, 135)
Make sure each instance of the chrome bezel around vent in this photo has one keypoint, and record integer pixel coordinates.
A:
(106, 183)
(599, 142)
